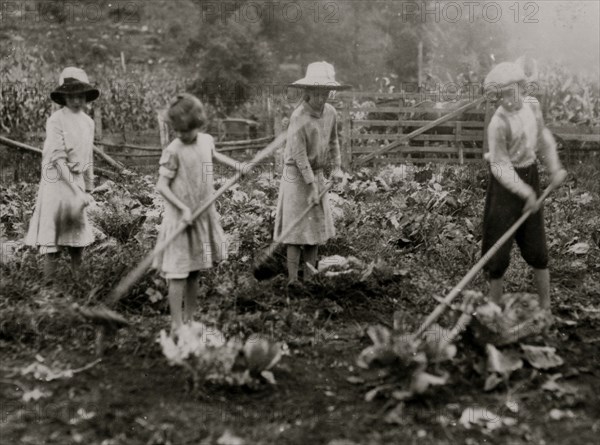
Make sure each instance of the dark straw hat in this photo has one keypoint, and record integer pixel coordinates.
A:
(73, 81)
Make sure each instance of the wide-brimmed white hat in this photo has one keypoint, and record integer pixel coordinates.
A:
(503, 76)
(73, 80)
(320, 75)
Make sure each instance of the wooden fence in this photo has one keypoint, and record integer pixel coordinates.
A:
(144, 152)
(373, 120)
(367, 122)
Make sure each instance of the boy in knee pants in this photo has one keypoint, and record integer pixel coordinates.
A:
(517, 137)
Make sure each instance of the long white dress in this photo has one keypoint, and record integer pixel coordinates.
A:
(69, 136)
(312, 147)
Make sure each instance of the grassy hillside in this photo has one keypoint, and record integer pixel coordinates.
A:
(94, 33)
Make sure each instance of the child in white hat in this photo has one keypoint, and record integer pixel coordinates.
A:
(59, 220)
(517, 137)
(311, 145)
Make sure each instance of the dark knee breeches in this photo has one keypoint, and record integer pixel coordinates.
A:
(502, 209)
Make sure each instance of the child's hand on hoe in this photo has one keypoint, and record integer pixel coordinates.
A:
(337, 177)
(556, 180)
(186, 215)
(531, 204)
(163, 187)
(243, 168)
(313, 197)
(85, 198)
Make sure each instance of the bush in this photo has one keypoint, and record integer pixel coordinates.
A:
(233, 58)
(118, 221)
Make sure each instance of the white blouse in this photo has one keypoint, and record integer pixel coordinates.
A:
(70, 136)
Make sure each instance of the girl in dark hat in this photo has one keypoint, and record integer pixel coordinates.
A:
(59, 220)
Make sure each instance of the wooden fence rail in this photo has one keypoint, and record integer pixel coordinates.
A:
(365, 130)
(157, 153)
(28, 148)
(411, 123)
(388, 130)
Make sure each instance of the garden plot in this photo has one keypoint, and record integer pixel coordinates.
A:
(299, 371)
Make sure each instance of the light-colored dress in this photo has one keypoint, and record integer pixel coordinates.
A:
(309, 150)
(190, 169)
(69, 136)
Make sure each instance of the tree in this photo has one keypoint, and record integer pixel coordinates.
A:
(231, 59)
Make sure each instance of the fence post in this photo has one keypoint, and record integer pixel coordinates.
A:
(400, 129)
(163, 128)
(277, 129)
(459, 144)
(98, 126)
(346, 146)
(486, 122)
(419, 65)
(270, 118)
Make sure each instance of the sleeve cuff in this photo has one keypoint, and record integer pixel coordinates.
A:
(164, 171)
(522, 191)
(519, 188)
(308, 175)
(58, 155)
